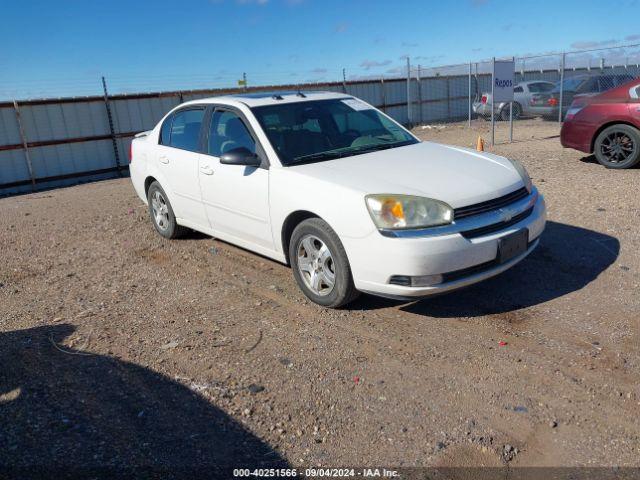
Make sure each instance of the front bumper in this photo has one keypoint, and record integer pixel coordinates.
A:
(375, 258)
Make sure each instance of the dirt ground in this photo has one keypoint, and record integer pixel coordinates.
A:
(118, 347)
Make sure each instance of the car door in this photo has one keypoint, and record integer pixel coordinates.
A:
(178, 156)
(235, 197)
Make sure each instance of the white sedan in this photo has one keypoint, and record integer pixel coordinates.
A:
(333, 187)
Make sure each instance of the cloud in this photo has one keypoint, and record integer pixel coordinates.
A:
(252, 2)
(631, 38)
(593, 44)
(341, 27)
(409, 44)
(369, 64)
(293, 3)
(319, 70)
(396, 70)
(507, 27)
(430, 59)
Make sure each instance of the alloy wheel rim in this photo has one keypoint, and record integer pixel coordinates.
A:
(316, 265)
(160, 210)
(617, 147)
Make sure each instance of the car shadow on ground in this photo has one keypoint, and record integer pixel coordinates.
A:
(81, 415)
(589, 159)
(567, 259)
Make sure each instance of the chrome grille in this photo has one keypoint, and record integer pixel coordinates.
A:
(490, 205)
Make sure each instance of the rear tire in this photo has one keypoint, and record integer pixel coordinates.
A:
(161, 213)
(320, 265)
(517, 112)
(618, 147)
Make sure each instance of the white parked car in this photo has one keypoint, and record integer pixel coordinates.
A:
(338, 190)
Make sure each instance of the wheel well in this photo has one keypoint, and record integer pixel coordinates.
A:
(147, 183)
(607, 125)
(289, 225)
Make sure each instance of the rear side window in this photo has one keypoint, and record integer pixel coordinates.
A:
(185, 129)
(540, 87)
(518, 90)
(165, 131)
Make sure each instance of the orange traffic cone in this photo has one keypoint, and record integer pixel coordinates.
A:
(480, 144)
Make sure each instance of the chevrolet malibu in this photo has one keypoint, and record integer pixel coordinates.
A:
(339, 191)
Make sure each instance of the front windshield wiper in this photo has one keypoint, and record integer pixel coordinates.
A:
(333, 154)
(317, 156)
(380, 146)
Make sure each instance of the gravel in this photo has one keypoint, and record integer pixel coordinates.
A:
(122, 348)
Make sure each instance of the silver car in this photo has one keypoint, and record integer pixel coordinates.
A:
(523, 93)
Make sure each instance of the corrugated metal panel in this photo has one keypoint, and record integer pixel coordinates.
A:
(61, 121)
(9, 131)
(71, 158)
(13, 166)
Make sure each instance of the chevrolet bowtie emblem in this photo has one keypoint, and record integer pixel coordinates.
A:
(506, 214)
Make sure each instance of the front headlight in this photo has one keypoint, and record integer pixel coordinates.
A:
(523, 174)
(407, 211)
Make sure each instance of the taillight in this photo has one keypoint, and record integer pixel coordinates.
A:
(484, 99)
(572, 112)
(131, 152)
(552, 102)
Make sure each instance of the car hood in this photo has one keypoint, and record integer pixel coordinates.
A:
(455, 175)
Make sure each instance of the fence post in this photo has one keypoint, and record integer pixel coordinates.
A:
(469, 119)
(562, 60)
(344, 80)
(408, 91)
(511, 110)
(112, 130)
(384, 95)
(493, 120)
(419, 79)
(25, 146)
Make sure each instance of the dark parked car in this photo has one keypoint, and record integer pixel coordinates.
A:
(607, 125)
(549, 103)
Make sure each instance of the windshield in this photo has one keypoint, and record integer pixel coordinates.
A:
(326, 129)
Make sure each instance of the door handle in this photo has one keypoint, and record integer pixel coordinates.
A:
(207, 170)
(163, 159)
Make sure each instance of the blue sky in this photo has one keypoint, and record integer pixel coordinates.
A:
(62, 47)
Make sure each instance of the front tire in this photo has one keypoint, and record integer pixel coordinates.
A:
(320, 265)
(618, 147)
(161, 213)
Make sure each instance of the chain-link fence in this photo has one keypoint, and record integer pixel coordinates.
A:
(545, 87)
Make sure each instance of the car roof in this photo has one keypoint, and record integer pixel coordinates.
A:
(257, 99)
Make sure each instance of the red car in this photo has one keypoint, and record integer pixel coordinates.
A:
(607, 125)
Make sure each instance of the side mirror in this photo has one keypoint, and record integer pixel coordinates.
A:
(240, 156)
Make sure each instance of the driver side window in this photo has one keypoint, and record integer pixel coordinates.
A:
(228, 132)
